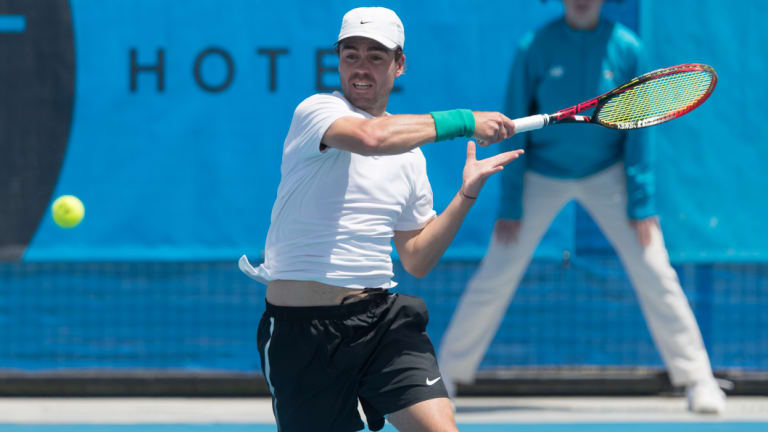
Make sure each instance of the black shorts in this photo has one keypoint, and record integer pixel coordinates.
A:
(318, 361)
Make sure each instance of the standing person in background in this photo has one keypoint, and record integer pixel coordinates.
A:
(609, 172)
(353, 181)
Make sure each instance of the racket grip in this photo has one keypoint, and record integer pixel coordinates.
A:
(530, 123)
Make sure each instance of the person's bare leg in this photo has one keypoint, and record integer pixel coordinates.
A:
(434, 415)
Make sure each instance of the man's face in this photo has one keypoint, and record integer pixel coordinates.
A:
(367, 71)
(583, 14)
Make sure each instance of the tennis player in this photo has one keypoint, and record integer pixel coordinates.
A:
(608, 172)
(353, 180)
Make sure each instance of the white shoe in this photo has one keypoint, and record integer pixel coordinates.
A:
(705, 397)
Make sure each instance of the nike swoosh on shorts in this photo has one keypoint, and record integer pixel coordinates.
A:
(430, 382)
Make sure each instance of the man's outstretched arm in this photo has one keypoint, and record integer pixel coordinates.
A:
(400, 133)
(420, 250)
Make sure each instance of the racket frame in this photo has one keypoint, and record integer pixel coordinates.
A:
(572, 114)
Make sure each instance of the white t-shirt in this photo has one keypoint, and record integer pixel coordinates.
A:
(336, 211)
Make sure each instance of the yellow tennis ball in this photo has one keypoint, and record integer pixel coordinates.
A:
(67, 211)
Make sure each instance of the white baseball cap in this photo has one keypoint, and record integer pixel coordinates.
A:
(377, 23)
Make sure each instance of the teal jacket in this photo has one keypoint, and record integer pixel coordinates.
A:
(557, 67)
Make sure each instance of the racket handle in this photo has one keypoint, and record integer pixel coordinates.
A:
(530, 123)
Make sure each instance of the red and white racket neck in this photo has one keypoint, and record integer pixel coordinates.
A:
(570, 114)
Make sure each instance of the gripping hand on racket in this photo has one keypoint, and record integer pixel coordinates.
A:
(492, 127)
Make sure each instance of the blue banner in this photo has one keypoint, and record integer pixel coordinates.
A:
(711, 185)
(180, 110)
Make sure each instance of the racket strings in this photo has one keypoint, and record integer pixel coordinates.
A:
(656, 99)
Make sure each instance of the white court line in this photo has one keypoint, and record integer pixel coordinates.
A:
(602, 410)
(469, 410)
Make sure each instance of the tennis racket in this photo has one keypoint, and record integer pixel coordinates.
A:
(647, 100)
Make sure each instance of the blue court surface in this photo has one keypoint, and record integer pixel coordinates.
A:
(525, 414)
(592, 427)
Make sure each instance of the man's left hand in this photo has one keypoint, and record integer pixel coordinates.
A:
(477, 171)
(643, 228)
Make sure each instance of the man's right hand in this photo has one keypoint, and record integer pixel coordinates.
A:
(506, 230)
(492, 127)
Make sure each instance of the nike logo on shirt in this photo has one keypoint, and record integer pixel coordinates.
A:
(430, 382)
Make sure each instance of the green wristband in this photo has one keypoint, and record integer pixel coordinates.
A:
(453, 123)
